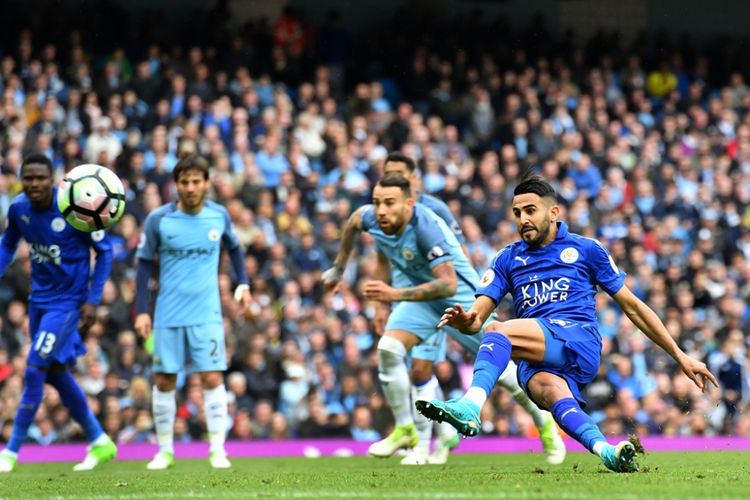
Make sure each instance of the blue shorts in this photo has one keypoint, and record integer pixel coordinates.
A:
(572, 351)
(54, 335)
(201, 347)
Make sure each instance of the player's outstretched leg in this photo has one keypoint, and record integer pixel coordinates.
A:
(493, 357)
(620, 457)
(33, 392)
(394, 378)
(578, 425)
(101, 447)
(460, 413)
(554, 446)
(215, 407)
(164, 407)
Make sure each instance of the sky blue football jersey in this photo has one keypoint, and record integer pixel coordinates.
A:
(189, 247)
(557, 281)
(60, 255)
(426, 242)
(398, 279)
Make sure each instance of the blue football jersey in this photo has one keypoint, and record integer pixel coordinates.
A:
(60, 255)
(557, 281)
(398, 279)
(189, 247)
(426, 242)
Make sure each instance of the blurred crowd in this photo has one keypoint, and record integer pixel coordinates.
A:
(648, 145)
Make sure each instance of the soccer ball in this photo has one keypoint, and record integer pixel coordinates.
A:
(91, 197)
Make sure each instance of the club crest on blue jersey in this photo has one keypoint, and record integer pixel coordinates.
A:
(569, 255)
(407, 254)
(58, 224)
(214, 234)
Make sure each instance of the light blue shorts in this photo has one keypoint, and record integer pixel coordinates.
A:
(200, 347)
(432, 349)
(421, 319)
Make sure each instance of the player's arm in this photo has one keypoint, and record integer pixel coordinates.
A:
(146, 254)
(102, 267)
(382, 309)
(102, 246)
(647, 321)
(608, 276)
(383, 268)
(237, 257)
(9, 241)
(332, 277)
(444, 285)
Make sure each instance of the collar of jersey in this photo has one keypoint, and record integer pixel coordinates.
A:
(562, 232)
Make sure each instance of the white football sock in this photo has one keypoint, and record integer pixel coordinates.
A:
(215, 407)
(509, 380)
(476, 395)
(394, 377)
(164, 408)
(442, 428)
(426, 391)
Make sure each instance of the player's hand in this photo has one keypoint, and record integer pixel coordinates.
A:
(331, 279)
(143, 325)
(88, 316)
(243, 296)
(381, 317)
(458, 318)
(380, 291)
(697, 371)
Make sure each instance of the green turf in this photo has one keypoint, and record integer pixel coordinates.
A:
(663, 475)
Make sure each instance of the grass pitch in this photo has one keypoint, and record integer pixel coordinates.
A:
(663, 475)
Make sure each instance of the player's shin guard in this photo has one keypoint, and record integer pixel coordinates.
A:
(74, 399)
(493, 357)
(394, 378)
(509, 381)
(33, 392)
(164, 408)
(426, 391)
(215, 407)
(576, 423)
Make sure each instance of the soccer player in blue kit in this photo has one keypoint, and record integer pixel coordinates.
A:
(552, 275)
(187, 236)
(429, 270)
(63, 300)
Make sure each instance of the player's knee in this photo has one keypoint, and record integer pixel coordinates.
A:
(33, 383)
(211, 380)
(496, 326)
(421, 371)
(165, 382)
(390, 346)
(547, 390)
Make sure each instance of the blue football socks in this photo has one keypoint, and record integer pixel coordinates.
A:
(75, 400)
(33, 392)
(576, 423)
(492, 359)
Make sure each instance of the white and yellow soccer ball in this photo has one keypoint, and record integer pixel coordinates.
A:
(91, 197)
